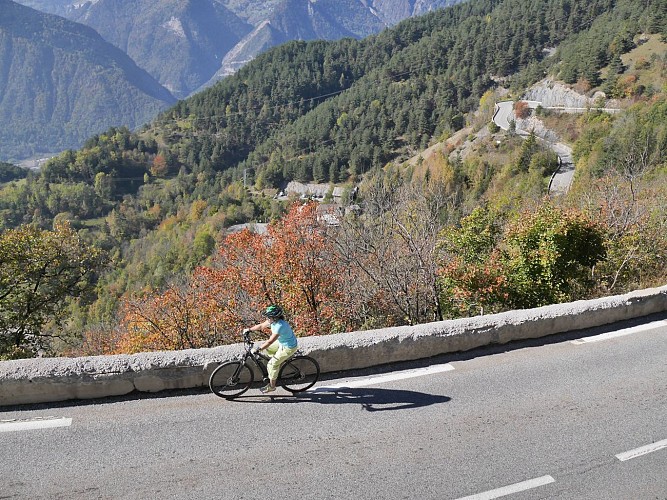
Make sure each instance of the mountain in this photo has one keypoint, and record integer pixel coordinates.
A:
(394, 11)
(324, 111)
(317, 20)
(58, 7)
(251, 10)
(301, 20)
(180, 43)
(187, 45)
(389, 12)
(60, 82)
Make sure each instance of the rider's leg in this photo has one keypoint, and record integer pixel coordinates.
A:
(273, 366)
(272, 349)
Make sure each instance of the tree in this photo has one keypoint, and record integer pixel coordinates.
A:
(183, 316)
(548, 256)
(542, 257)
(616, 66)
(292, 265)
(389, 251)
(636, 241)
(521, 110)
(40, 272)
(529, 147)
(470, 274)
(512, 127)
(487, 105)
(103, 185)
(9, 172)
(160, 167)
(305, 272)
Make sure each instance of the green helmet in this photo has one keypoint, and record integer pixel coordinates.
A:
(273, 312)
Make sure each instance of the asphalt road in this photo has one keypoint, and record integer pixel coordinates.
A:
(555, 418)
(504, 114)
(563, 178)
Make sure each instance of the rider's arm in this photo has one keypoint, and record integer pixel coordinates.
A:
(260, 326)
(266, 324)
(269, 341)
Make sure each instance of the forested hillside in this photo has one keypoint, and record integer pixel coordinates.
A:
(399, 89)
(414, 237)
(60, 82)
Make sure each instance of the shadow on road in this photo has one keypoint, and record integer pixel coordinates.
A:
(368, 398)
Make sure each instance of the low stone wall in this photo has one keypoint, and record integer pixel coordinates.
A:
(59, 379)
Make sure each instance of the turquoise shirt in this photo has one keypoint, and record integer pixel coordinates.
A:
(286, 336)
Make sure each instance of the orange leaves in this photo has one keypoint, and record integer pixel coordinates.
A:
(182, 317)
(302, 254)
(293, 264)
(159, 168)
(479, 287)
(521, 110)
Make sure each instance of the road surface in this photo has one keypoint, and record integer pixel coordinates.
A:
(576, 416)
(561, 181)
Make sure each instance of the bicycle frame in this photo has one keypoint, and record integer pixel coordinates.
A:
(297, 373)
(259, 359)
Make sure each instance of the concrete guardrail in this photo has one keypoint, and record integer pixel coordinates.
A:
(59, 379)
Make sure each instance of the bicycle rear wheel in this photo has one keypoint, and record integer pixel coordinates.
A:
(299, 373)
(231, 379)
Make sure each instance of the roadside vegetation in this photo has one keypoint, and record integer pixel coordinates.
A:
(442, 215)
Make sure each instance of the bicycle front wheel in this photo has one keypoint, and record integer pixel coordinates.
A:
(299, 373)
(231, 379)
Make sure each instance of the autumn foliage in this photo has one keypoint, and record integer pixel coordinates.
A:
(521, 110)
(541, 257)
(183, 316)
(293, 264)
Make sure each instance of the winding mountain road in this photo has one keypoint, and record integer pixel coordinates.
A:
(562, 179)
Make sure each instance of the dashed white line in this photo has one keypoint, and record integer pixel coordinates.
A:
(638, 452)
(621, 333)
(402, 375)
(512, 488)
(35, 423)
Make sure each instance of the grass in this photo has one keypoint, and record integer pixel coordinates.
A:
(653, 53)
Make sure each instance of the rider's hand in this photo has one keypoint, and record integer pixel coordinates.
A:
(256, 349)
(246, 330)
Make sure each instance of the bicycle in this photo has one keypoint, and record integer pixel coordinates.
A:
(232, 378)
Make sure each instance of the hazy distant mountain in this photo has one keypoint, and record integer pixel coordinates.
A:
(187, 44)
(60, 83)
(394, 11)
(180, 42)
(302, 20)
(253, 11)
(59, 7)
(388, 11)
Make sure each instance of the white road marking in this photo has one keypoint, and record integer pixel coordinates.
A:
(34, 423)
(391, 377)
(638, 452)
(513, 488)
(621, 333)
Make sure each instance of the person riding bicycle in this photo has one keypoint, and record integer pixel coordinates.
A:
(279, 351)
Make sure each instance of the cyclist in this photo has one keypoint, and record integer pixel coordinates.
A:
(279, 351)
